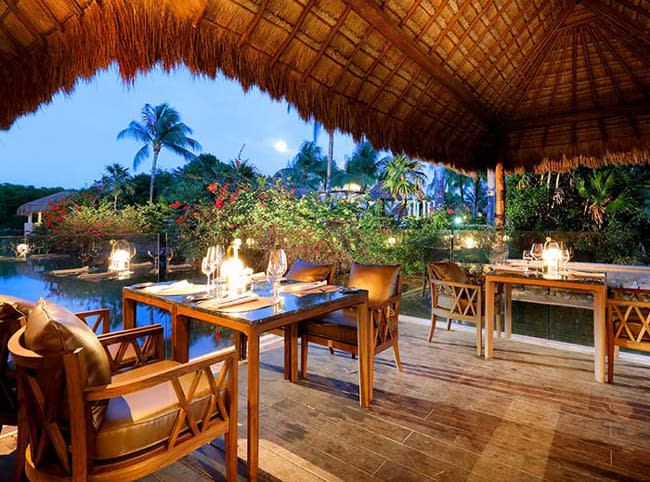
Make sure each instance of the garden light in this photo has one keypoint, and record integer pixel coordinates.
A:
(458, 220)
(120, 260)
(234, 272)
(391, 241)
(469, 242)
(551, 256)
(22, 250)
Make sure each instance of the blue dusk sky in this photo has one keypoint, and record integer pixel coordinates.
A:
(69, 141)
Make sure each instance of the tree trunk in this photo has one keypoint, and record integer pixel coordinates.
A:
(439, 186)
(477, 193)
(330, 160)
(114, 202)
(154, 163)
(462, 191)
(500, 208)
(491, 186)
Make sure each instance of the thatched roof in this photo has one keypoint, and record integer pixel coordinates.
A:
(535, 83)
(43, 204)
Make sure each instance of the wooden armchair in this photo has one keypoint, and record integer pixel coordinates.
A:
(456, 295)
(338, 330)
(144, 419)
(628, 323)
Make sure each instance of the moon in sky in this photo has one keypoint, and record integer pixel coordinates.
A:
(280, 145)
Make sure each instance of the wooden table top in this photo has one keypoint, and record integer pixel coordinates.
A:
(291, 304)
(533, 276)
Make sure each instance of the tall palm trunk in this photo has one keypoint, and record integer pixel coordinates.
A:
(154, 163)
(439, 186)
(115, 202)
(462, 192)
(477, 193)
(491, 185)
(330, 160)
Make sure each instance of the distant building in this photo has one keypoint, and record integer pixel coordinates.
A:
(38, 206)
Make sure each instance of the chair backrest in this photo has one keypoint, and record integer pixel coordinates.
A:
(447, 271)
(51, 389)
(628, 315)
(310, 272)
(12, 314)
(381, 281)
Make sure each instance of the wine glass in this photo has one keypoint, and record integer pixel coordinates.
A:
(565, 257)
(217, 256)
(536, 251)
(527, 257)
(275, 270)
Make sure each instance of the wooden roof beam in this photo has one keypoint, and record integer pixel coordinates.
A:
(538, 55)
(50, 15)
(294, 31)
(76, 7)
(13, 6)
(588, 115)
(326, 43)
(374, 15)
(251, 26)
(622, 22)
(608, 69)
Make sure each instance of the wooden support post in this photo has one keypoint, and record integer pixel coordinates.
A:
(491, 188)
(500, 204)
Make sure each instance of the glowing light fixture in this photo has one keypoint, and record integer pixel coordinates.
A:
(235, 274)
(458, 220)
(551, 257)
(352, 187)
(469, 242)
(391, 241)
(119, 261)
(22, 250)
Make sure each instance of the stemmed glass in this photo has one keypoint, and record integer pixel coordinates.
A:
(527, 257)
(565, 257)
(216, 259)
(536, 251)
(275, 270)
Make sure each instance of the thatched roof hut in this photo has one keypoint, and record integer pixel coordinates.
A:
(42, 204)
(544, 84)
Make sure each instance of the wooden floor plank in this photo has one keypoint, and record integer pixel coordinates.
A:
(533, 412)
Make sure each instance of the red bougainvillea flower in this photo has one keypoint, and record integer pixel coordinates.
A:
(97, 235)
(98, 224)
(63, 211)
(90, 229)
(263, 196)
(186, 207)
(217, 335)
(84, 195)
(59, 219)
(213, 187)
(450, 211)
(430, 208)
(219, 203)
(176, 205)
(48, 223)
(232, 226)
(263, 205)
(58, 228)
(180, 220)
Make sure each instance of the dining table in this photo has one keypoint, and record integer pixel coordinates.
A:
(590, 282)
(287, 311)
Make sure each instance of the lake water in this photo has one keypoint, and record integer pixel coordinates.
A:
(31, 280)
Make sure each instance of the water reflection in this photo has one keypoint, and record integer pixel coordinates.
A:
(30, 280)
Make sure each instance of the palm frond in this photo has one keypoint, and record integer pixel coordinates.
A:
(140, 156)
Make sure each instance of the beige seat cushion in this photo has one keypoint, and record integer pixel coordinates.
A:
(339, 325)
(19, 304)
(449, 271)
(145, 418)
(380, 281)
(309, 272)
(52, 329)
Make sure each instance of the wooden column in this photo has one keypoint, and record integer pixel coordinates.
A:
(500, 205)
(491, 187)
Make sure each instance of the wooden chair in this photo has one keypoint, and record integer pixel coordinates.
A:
(628, 323)
(306, 272)
(143, 419)
(338, 330)
(456, 295)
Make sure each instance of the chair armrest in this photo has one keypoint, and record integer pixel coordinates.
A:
(389, 302)
(454, 284)
(478, 278)
(103, 317)
(634, 294)
(113, 390)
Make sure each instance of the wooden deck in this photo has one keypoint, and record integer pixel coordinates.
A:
(532, 412)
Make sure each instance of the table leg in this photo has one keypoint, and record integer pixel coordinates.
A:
(293, 346)
(489, 318)
(128, 313)
(600, 338)
(287, 352)
(508, 309)
(364, 342)
(180, 337)
(253, 405)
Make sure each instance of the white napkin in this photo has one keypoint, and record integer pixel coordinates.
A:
(162, 289)
(304, 286)
(226, 302)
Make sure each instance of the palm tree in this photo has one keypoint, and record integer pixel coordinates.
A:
(455, 186)
(402, 177)
(308, 168)
(161, 126)
(437, 186)
(605, 191)
(362, 167)
(117, 181)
